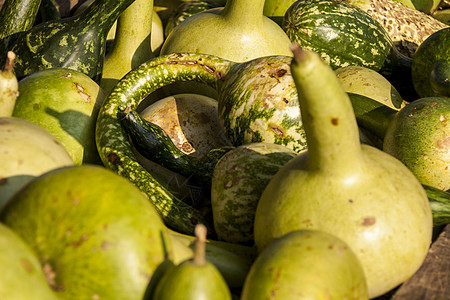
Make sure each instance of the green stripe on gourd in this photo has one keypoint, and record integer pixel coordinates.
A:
(340, 33)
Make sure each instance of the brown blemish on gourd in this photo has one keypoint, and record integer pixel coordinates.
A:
(234, 181)
(368, 221)
(277, 130)
(67, 76)
(86, 98)
(105, 245)
(26, 264)
(50, 276)
(83, 238)
(335, 121)
(276, 284)
(443, 143)
(187, 147)
(350, 201)
(114, 159)
(3, 180)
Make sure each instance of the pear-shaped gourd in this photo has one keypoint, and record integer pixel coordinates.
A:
(306, 264)
(9, 87)
(357, 192)
(238, 32)
(195, 278)
(94, 233)
(22, 276)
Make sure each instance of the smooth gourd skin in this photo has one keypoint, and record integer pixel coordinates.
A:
(95, 234)
(26, 150)
(419, 136)
(229, 34)
(22, 276)
(306, 264)
(431, 65)
(66, 103)
(188, 281)
(362, 195)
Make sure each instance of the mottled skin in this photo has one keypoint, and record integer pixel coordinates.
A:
(340, 33)
(77, 42)
(407, 27)
(113, 144)
(419, 136)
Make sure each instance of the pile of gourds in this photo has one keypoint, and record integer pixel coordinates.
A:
(301, 148)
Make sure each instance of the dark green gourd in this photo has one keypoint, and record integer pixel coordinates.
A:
(17, 16)
(76, 42)
(154, 144)
(340, 33)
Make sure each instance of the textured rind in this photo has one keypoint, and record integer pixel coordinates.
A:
(340, 33)
(114, 147)
(77, 43)
(419, 136)
(238, 181)
(258, 102)
(407, 27)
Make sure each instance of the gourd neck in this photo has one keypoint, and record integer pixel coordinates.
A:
(330, 125)
(243, 12)
(132, 41)
(103, 13)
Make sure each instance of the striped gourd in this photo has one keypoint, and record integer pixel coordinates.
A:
(340, 33)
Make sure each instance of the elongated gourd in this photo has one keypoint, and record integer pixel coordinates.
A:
(9, 87)
(76, 42)
(357, 192)
(132, 44)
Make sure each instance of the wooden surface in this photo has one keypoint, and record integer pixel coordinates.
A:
(432, 280)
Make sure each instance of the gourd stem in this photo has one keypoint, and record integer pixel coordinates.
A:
(9, 65)
(200, 244)
(330, 125)
(244, 11)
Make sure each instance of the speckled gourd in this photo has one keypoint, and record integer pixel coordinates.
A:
(406, 26)
(359, 193)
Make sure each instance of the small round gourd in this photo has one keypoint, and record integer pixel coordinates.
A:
(195, 278)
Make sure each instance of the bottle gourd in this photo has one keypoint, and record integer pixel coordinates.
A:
(357, 192)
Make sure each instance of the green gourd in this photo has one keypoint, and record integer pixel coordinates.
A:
(132, 44)
(238, 32)
(22, 276)
(76, 42)
(419, 136)
(306, 264)
(431, 65)
(17, 16)
(194, 278)
(357, 192)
